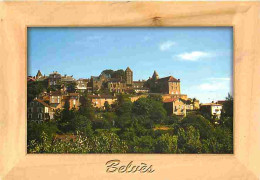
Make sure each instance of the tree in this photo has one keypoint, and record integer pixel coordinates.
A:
(34, 131)
(166, 144)
(107, 106)
(228, 106)
(108, 72)
(143, 144)
(34, 88)
(71, 87)
(86, 108)
(189, 140)
(66, 119)
(82, 124)
(118, 74)
(204, 126)
(151, 108)
(156, 97)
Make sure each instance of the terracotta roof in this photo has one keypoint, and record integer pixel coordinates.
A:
(173, 100)
(30, 79)
(45, 98)
(43, 103)
(169, 79)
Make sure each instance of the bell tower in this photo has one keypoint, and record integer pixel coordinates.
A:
(129, 76)
(155, 75)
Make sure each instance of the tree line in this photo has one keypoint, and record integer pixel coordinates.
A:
(131, 127)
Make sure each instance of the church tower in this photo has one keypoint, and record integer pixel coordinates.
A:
(155, 75)
(129, 76)
(39, 74)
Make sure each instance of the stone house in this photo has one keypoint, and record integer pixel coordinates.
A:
(98, 101)
(211, 110)
(175, 106)
(39, 111)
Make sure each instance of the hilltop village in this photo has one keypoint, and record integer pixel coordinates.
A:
(103, 90)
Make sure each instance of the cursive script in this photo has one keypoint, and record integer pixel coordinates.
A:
(115, 166)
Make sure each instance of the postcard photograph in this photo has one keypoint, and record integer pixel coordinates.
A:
(130, 90)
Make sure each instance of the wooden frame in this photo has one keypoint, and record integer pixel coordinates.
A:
(15, 17)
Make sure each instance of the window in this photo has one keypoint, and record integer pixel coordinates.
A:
(30, 109)
(40, 116)
(29, 116)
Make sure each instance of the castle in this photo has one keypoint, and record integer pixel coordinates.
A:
(122, 83)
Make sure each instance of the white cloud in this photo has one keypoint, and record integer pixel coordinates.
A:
(193, 56)
(166, 45)
(216, 85)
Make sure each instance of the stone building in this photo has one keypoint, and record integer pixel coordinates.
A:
(98, 101)
(73, 99)
(39, 111)
(83, 85)
(55, 98)
(175, 106)
(38, 75)
(211, 110)
(129, 76)
(116, 85)
(169, 85)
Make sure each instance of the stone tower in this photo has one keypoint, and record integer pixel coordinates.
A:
(155, 75)
(129, 76)
(39, 74)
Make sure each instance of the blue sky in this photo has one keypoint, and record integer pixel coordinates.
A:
(200, 57)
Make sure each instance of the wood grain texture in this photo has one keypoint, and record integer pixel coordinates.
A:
(15, 17)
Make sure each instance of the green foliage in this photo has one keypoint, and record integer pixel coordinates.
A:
(126, 127)
(71, 87)
(104, 142)
(35, 130)
(34, 88)
(199, 122)
(228, 107)
(189, 140)
(150, 108)
(114, 74)
(220, 143)
(144, 144)
(166, 144)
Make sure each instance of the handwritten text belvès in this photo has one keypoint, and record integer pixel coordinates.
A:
(115, 166)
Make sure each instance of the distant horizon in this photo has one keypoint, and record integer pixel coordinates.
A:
(201, 57)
